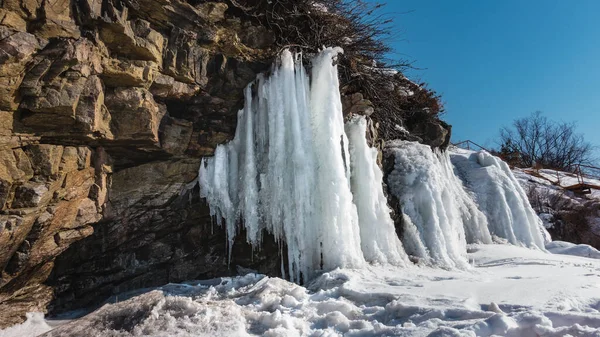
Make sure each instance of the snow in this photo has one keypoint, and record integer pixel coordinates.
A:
(510, 291)
(500, 196)
(34, 325)
(568, 248)
(549, 198)
(439, 216)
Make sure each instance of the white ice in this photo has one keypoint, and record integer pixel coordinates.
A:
(511, 291)
(379, 241)
(439, 216)
(500, 196)
(568, 248)
(288, 171)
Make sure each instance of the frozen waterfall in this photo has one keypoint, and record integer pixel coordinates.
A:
(440, 217)
(500, 197)
(289, 171)
(296, 171)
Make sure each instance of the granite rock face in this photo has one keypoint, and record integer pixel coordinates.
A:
(106, 108)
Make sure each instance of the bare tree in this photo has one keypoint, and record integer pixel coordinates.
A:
(536, 140)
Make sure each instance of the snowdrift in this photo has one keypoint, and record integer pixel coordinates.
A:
(512, 291)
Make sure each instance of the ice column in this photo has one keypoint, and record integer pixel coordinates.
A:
(287, 170)
(378, 237)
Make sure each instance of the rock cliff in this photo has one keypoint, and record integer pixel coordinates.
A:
(106, 108)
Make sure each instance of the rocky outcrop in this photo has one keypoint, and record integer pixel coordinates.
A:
(105, 109)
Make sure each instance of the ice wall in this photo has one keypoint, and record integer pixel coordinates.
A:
(439, 215)
(288, 171)
(500, 196)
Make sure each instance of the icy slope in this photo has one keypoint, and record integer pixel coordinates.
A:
(512, 291)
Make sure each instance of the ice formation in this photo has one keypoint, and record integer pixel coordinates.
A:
(500, 197)
(379, 241)
(288, 171)
(296, 171)
(439, 216)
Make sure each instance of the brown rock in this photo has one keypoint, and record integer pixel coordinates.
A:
(91, 113)
(175, 135)
(45, 159)
(184, 60)
(125, 73)
(56, 20)
(135, 114)
(14, 230)
(14, 305)
(16, 49)
(14, 166)
(31, 194)
(12, 20)
(87, 213)
(257, 37)
(203, 142)
(26, 9)
(356, 104)
(77, 184)
(167, 87)
(6, 123)
(65, 238)
(60, 76)
(133, 39)
(158, 179)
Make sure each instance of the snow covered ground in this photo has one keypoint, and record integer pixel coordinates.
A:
(508, 291)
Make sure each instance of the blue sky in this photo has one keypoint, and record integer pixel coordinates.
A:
(497, 60)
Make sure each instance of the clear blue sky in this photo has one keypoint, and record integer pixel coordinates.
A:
(497, 60)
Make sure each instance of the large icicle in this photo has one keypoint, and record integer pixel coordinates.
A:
(287, 169)
(438, 213)
(378, 237)
(500, 197)
(336, 214)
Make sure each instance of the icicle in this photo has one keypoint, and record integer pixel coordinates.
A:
(378, 237)
(434, 202)
(283, 172)
(334, 205)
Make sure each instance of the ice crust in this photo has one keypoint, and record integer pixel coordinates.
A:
(512, 291)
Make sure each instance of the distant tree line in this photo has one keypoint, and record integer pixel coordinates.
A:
(538, 141)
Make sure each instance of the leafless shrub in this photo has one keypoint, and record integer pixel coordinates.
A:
(536, 140)
(360, 28)
(572, 217)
